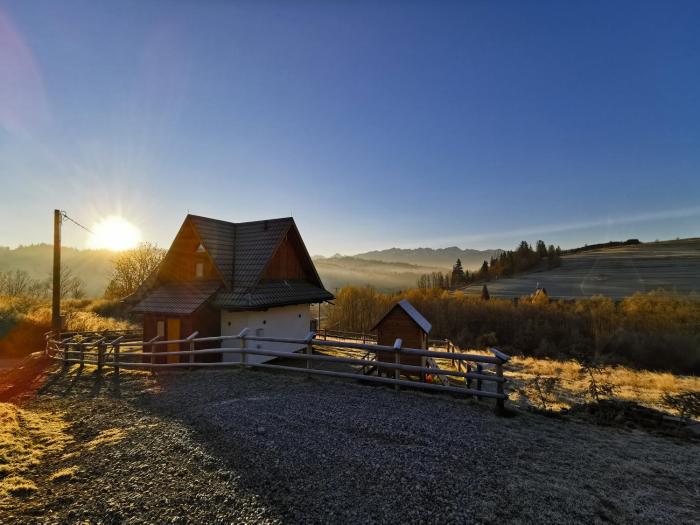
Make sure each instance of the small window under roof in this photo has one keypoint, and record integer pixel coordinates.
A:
(200, 248)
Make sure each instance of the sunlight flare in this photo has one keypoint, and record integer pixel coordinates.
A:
(114, 233)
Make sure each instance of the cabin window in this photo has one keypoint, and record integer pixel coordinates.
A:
(160, 328)
(200, 248)
(199, 270)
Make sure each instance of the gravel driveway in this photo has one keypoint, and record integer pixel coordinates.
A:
(254, 447)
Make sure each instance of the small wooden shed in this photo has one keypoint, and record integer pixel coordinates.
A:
(403, 322)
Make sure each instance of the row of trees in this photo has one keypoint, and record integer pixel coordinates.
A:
(19, 283)
(523, 258)
(508, 263)
(653, 330)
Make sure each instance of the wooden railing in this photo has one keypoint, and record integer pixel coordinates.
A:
(325, 334)
(123, 351)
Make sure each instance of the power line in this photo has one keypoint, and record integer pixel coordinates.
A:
(65, 215)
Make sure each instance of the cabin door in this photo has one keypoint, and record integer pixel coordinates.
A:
(173, 333)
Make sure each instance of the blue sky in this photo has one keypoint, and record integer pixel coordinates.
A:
(374, 124)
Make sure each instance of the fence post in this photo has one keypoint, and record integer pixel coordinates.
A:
(66, 346)
(81, 354)
(100, 356)
(309, 348)
(500, 402)
(242, 336)
(116, 362)
(479, 369)
(191, 347)
(469, 379)
(397, 360)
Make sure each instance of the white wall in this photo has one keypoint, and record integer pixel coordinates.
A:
(284, 321)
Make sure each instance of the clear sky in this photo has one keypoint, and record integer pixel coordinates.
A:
(374, 124)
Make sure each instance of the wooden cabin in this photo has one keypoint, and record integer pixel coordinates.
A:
(403, 322)
(219, 277)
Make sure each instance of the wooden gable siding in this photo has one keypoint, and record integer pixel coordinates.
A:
(399, 325)
(181, 262)
(288, 262)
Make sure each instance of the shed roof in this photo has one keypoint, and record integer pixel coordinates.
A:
(414, 314)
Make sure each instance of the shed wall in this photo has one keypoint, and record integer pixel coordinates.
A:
(399, 325)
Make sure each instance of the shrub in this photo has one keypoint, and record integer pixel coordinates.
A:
(687, 404)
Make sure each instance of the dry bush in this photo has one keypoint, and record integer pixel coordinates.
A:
(686, 404)
(24, 321)
(541, 390)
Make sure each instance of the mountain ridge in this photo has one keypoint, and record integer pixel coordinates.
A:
(471, 258)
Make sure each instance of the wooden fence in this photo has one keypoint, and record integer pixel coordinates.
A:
(127, 350)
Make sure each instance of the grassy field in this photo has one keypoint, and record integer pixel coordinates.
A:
(27, 437)
(571, 388)
(618, 272)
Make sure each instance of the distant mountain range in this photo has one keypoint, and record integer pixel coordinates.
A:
(440, 257)
(94, 267)
(388, 270)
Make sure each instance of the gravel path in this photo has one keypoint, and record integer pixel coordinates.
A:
(254, 447)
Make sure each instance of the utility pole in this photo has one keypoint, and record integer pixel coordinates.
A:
(56, 297)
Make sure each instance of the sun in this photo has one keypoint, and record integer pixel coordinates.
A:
(114, 233)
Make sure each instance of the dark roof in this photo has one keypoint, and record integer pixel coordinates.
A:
(240, 252)
(271, 293)
(414, 314)
(181, 298)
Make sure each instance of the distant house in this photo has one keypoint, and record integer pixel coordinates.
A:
(219, 277)
(403, 322)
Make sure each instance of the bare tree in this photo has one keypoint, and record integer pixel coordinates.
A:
(16, 283)
(132, 268)
(71, 285)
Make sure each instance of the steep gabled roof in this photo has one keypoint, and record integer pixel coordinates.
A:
(414, 314)
(241, 253)
(217, 238)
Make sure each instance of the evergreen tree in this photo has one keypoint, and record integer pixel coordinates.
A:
(541, 249)
(484, 271)
(485, 293)
(458, 276)
(551, 255)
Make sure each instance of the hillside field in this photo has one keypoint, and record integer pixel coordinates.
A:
(619, 272)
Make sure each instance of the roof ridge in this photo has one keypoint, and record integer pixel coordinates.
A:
(275, 219)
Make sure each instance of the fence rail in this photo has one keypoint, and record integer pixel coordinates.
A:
(127, 350)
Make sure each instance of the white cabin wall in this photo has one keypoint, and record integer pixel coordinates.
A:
(283, 321)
